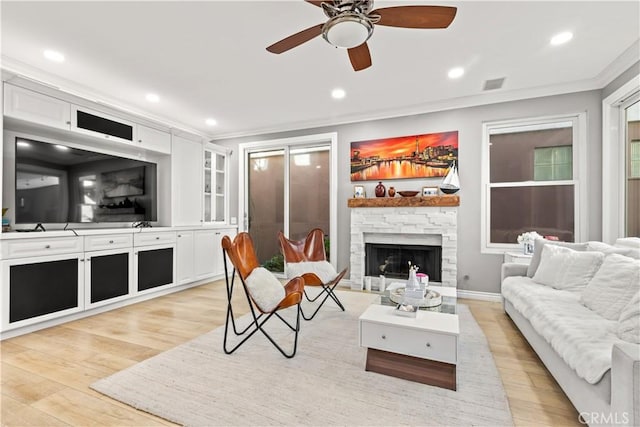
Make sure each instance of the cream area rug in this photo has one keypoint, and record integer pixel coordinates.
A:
(196, 384)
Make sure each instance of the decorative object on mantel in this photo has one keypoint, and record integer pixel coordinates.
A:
(451, 183)
(527, 239)
(415, 156)
(429, 191)
(408, 193)
(394, 202)
(391, 192)
(380, 190)
(358, 192)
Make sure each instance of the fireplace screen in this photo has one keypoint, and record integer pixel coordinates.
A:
(393, 260)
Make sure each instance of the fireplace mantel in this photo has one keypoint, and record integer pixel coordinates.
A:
(395, 202)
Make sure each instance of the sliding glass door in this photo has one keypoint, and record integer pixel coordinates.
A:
(287, 188)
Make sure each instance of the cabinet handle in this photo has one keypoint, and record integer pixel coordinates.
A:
(384, 337)
(157, 238)
(179, 235)
(218, 233)
(81, 259)
(139, 140)
(47, 246)
(68, 123)
(428, 344)
(110, 241)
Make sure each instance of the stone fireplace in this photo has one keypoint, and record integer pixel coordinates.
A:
(426, 225)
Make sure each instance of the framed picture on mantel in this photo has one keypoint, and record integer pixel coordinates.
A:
(416, 156)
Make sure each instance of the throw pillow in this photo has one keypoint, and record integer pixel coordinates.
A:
(608, 249)
(537, 252)
(564, 268)
(265, 290)
(629, 322)
(612, 286)
(323, 269)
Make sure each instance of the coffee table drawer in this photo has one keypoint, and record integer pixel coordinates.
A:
(412, 342)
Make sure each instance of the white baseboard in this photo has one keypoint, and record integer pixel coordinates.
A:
(484, 296)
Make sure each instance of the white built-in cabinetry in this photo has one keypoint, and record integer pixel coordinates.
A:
(215, 184)
(42, 109)
(184, 257)
(153, 139)
(199, 253)
(35, 107)
(52, 277)
(49, 280)
(186, 182)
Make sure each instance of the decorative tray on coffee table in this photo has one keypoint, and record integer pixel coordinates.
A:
(431, 298)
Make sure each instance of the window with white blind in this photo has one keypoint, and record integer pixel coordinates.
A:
(530, 180)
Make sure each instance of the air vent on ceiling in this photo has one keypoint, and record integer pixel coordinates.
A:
(493, 84)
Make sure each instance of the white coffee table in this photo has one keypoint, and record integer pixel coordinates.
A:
(422, 349)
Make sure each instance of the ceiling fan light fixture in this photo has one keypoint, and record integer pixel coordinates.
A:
(347, 30)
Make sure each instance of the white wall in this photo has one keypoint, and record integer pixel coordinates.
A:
(483, 271)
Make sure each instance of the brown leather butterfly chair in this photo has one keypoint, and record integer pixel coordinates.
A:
(264, 292)
(311, 249)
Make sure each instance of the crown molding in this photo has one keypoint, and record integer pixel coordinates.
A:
(494, 97)
(620, 64)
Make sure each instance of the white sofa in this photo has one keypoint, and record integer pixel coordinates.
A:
(597, 369)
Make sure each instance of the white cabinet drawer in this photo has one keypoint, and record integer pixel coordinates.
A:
(113, 241)
(39, 247)
(412, 342)
(146, 239)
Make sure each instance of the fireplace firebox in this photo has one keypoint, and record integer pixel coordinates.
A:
(392, 261)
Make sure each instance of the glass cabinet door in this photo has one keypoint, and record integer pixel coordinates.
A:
(220, 188)
(207, 185)
(215, 184)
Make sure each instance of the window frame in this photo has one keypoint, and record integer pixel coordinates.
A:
(579, 159)
(613, 155)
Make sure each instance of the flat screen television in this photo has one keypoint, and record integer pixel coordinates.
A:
(60, 184)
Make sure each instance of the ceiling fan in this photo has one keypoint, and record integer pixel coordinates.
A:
(351, 24)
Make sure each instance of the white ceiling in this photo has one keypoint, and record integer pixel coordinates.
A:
(208, 59)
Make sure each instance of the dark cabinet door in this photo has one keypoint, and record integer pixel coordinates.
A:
(109, 276)
(155, 268)
(42, 288)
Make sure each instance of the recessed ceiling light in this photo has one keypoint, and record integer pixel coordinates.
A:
(338, 93)
(61, 147)
(152, 97)
(54, 56)
(561, 38)
(456, 72)
(23, 144)
(211, 122)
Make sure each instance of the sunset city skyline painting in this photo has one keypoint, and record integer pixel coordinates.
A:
(414, 156)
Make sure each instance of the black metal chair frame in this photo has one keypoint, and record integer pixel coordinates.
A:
(327, 289)
(258, 319)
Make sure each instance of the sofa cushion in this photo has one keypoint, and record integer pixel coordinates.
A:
(323, 269)
(265, 289)
(629, 321)
(613, 286)
(564, 268)
(537, 252)
(581, 337)
(608, 249)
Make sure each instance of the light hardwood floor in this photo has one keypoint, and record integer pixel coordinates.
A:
(46, 374)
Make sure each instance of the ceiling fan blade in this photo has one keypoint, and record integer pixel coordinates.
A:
(315, 3)
(360, 57)
(416, 16)
(296, 39)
